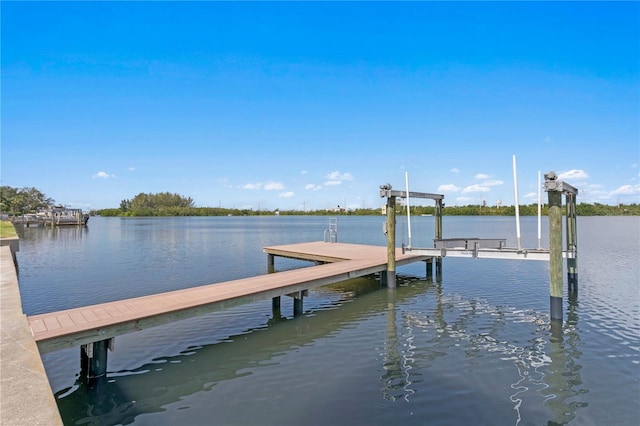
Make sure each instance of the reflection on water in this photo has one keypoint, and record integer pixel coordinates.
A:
(564, 382)
(544, 368)
(396, 380)
(475, 347)
(476, 328)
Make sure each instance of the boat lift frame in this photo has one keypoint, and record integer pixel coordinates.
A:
(494, 248)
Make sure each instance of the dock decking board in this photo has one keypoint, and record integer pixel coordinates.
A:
(73, 327)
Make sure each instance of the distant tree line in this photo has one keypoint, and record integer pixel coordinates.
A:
(168, 204)
(160, 204)
(18, 201)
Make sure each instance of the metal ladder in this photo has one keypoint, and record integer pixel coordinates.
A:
(331, 233)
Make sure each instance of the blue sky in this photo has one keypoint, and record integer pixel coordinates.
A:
(313, 105)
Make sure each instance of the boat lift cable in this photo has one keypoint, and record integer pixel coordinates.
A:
(517, 203)
(407, 206)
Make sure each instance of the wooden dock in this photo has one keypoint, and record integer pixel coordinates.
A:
(101, 322)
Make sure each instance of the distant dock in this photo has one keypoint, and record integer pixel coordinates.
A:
(54, 216)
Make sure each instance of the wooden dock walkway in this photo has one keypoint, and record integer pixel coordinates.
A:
(89, 324)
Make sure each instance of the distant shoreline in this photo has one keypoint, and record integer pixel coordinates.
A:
(472, 210)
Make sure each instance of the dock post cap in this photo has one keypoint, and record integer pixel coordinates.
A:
(551, 183)
(384, 190)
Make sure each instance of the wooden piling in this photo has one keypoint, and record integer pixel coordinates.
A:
(555, 253)
(438, 219)
(555, 188)
(429, 267)
(391, 242)
(438, 235)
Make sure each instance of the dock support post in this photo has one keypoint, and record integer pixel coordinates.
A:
(297, 306)
(391, 242)
(438, 236)
(93, 359)
(555, 250)
(298, 298)
(271, 268)
(429, 264)
(555, 188)
(439, 269)
(275, 301)
(383, 278)
(572, 244)
(276, 312)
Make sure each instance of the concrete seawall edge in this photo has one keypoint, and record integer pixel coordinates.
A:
(26, 397)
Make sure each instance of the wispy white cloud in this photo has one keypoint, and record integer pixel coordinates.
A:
(287, 194)
(475, 188)
(102, 175)
(312, 187)
(273, 186)
(269, 186)
(626, 190)
(593, 192)
(448, 188)
(573, 174)
(131, 169)
(463, 200)
(455, 170)
(336, 178)
(483, 186)
(339, 176)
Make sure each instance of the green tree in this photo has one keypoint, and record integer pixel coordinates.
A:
(22, 200)
(160, 204)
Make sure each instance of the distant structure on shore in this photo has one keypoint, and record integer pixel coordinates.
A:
(52, 216)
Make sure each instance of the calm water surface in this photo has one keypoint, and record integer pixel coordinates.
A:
(474, 348)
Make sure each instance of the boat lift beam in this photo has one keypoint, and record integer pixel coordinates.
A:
(386, 191)
(389, 279)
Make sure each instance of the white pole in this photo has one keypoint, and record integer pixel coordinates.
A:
(539, 214)
(517, 205)
(406, 180)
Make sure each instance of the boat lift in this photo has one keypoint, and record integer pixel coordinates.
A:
(494, 248)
